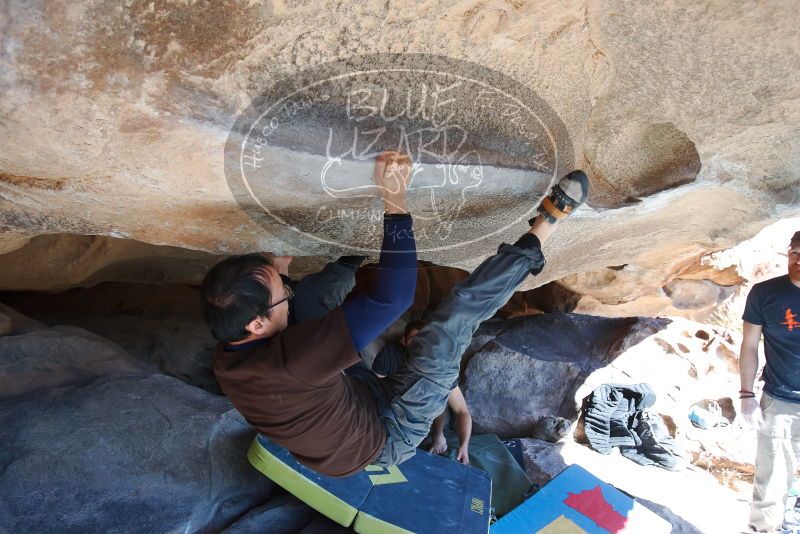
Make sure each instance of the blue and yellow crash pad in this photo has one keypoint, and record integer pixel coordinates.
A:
(425, 494)
(577, 502)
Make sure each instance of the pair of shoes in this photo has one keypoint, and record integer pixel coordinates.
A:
(565, 197)
(707, 417)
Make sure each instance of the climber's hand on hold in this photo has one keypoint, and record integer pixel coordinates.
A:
(281, 263)
(392, 175)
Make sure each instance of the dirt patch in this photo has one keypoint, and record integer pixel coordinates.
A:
(48, 184)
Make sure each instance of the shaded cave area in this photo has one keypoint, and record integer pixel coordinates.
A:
(120, 358)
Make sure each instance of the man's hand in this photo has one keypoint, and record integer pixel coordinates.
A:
(392, 174)
(438, 445)
(463, 454)
(281, 263)
(748, 366)
(751, 412)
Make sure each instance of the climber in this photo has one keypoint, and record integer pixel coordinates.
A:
(288, 380)
(389, 360)
(770, 310)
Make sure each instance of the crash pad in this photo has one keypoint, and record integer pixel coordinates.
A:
(426, 493)
(510, 484)
(577, 502)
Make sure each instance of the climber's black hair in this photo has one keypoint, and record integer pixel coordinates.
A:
(232, 296)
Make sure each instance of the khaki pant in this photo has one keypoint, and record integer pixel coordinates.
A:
(776, 462)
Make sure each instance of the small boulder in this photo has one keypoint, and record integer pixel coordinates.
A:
(551, 428)
(507, 391)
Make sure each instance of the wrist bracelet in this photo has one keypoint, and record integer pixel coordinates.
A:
(750, 396)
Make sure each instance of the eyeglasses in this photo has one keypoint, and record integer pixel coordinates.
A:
(289, 295)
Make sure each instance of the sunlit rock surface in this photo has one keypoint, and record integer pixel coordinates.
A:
(115, 117)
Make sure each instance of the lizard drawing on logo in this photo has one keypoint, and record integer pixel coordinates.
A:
(448, 188)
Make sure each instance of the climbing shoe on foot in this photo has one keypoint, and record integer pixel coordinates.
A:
(565, 197)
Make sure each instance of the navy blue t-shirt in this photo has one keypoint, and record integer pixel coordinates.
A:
(775, 305)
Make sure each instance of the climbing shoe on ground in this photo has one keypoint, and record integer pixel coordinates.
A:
(707, 414)
(565, 197)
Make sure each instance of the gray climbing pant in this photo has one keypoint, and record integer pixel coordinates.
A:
(411, 398)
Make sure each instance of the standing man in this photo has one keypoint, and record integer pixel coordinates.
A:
(773, 309)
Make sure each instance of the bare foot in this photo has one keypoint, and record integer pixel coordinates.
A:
(542, 229)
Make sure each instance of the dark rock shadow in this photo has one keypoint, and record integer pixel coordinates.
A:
(517, 371)
(283, 514)
(160, 324)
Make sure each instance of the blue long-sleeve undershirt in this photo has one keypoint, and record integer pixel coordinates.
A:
(369, 314)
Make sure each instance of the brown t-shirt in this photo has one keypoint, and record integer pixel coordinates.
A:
(292, 390)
